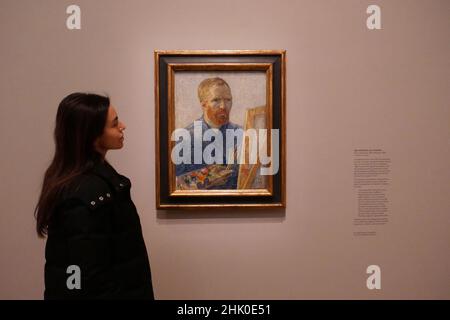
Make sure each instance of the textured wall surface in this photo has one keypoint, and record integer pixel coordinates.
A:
(348, 88)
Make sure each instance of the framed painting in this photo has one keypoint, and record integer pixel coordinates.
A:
(220, 128)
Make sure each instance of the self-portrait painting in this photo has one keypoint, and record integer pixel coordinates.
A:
(219, 128)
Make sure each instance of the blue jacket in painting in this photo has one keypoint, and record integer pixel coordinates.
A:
(184, 168)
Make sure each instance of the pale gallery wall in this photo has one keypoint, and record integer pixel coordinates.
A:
(350, 89)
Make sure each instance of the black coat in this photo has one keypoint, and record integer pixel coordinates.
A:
(97, 228)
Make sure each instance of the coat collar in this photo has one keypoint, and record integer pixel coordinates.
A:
(108, 173)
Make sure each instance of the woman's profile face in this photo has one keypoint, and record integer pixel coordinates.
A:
(112, 137)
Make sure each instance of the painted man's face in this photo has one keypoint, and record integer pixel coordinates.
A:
(217, 104)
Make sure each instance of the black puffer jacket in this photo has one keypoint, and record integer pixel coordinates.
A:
(97, 228)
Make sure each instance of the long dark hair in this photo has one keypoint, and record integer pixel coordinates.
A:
(80, 119)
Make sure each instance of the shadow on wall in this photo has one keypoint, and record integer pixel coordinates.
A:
(251, 214)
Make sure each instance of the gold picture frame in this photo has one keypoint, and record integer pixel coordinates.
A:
(255, 82)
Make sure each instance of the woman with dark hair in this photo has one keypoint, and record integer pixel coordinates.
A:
(95, 248)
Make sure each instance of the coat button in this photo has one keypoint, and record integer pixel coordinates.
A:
(100, 198)
(108, 195)
(93, 203)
